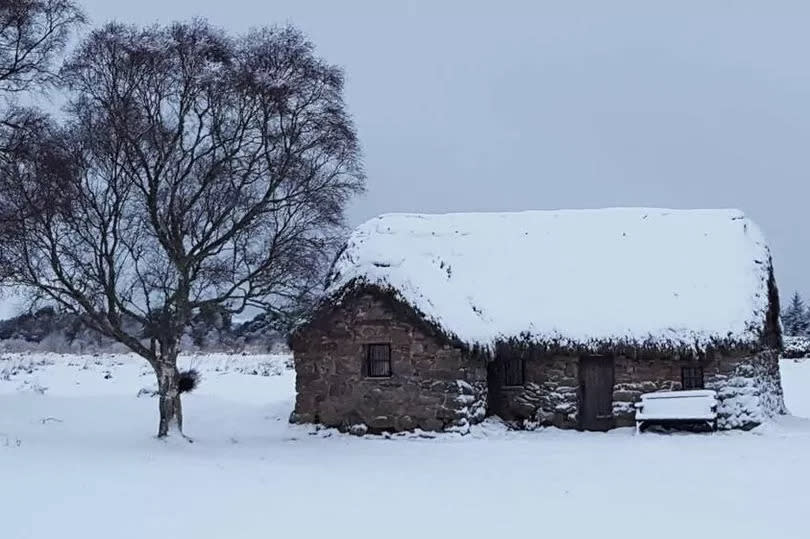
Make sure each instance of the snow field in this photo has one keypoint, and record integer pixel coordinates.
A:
(78, 460)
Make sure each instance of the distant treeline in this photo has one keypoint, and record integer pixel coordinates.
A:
(49, 330)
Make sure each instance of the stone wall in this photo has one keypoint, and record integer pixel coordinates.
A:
(433, 386)
(633, 377)
(748, 387)
(549, 396)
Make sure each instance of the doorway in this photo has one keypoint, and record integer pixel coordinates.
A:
(596, 393)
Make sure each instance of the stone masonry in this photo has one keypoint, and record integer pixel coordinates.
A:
(548, 397)
(438, 386)
(747, 384)
(433, 385)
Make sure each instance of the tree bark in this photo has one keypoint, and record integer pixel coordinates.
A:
(171, 411)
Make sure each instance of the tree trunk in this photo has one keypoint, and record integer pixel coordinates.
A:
(171, 412)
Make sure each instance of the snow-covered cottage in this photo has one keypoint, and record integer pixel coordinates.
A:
(543, 318)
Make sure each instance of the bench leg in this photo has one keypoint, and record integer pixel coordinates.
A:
(638, 427)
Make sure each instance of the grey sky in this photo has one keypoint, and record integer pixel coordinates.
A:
(481, 105)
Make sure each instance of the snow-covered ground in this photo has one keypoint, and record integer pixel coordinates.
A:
(77, 460)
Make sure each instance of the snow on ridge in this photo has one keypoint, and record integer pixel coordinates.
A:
(578, 277)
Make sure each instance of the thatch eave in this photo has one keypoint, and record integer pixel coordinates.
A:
(651, 348)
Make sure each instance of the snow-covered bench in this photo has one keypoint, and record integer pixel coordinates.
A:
(668, 407)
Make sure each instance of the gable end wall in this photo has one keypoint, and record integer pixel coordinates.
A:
(434, 386)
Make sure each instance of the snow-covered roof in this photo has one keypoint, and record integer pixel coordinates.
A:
(683, 278)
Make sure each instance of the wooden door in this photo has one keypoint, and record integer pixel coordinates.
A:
(596, 392)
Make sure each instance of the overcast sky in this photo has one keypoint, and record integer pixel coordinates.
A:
(508, 105)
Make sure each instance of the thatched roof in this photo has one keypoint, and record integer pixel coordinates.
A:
(578, 279)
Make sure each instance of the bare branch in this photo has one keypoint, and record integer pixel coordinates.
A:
(197, 170)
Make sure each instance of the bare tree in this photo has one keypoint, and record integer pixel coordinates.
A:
(32, 34)
(195, 170)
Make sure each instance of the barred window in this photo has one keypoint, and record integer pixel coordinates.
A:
(692, 377)
(514, 371)
(378, 360)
